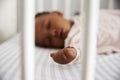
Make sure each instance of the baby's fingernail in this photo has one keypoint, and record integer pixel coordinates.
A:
(52, 54)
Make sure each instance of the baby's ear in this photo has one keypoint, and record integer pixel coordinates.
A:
(58, 13)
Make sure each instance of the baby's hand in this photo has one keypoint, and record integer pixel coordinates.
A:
(64, 56)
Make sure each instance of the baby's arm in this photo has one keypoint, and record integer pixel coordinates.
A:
(108, 41)
(64, 56)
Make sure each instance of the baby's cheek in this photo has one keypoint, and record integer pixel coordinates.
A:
(57, 43)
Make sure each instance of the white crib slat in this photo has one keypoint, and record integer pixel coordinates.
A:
(81, 6)
(28, 40)
(91, 10)
(111, 4)
(54, 5)
(40, 5)
(67, 8)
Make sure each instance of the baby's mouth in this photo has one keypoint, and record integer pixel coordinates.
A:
(61, 34)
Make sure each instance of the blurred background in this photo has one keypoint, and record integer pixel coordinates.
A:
(10, 13)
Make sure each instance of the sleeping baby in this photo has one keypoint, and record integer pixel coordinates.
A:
(52, 30)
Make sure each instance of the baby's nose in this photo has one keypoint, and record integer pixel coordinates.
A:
(53, 33)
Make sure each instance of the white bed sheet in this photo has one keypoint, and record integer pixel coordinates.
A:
(107, 67)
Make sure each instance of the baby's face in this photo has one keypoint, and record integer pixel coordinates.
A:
(51, 30)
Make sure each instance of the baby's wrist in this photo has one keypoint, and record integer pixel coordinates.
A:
(70, 47)
(77, 51)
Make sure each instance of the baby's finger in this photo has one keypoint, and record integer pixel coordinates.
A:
(58, 57)
(52, 54)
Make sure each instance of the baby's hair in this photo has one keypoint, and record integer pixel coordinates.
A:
(42, 13)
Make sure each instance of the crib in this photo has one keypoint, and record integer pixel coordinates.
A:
(28, 68)
(32, 65)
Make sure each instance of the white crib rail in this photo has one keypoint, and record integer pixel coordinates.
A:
(91, 9)
(40, 5)
(81, 6)
(67, 8)
(28, 40)
(54, 5)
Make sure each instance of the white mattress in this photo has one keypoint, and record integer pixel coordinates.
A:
(107, 67)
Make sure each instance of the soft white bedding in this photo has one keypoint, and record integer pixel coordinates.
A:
(107, 67)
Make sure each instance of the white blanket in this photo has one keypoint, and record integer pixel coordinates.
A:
(107, 67)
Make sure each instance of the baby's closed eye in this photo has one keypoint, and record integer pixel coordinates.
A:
(49, 25)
